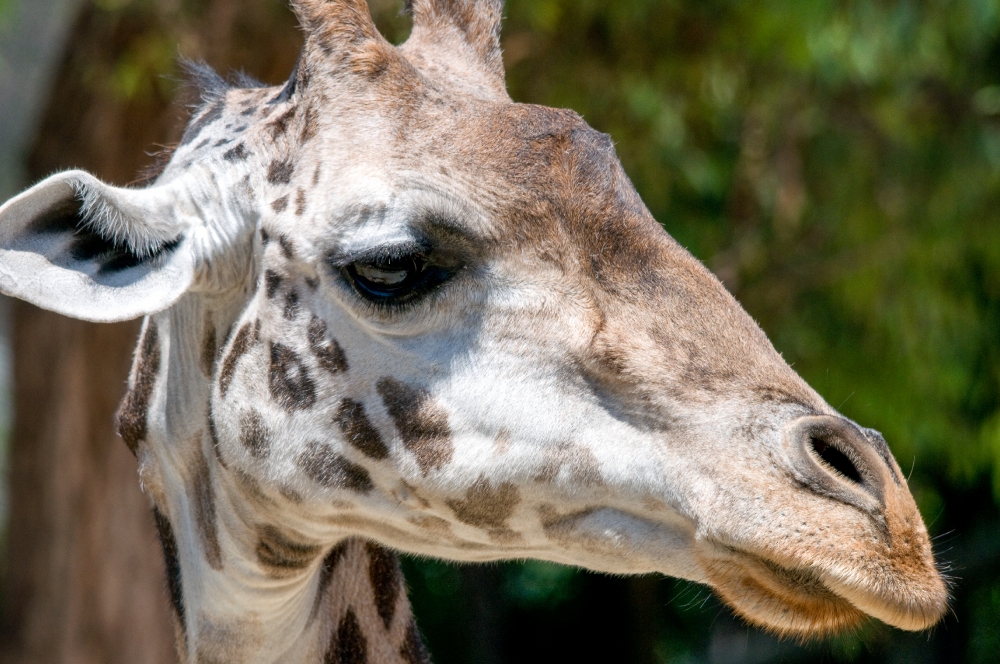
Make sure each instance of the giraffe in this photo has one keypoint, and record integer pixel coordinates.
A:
(389, 309)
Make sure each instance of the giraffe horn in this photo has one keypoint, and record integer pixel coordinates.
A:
(464, 30)
(342, 34)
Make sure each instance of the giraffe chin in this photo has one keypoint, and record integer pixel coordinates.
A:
(790, 603)
(803, 604)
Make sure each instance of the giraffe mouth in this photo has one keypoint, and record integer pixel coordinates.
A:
(788, 601)
(806, 602)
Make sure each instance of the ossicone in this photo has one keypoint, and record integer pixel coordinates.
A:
(455, 41)
(461, 37)
(341, 39)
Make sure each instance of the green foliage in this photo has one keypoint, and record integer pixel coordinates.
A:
(145, 69)
(986, 617)
(540, 584)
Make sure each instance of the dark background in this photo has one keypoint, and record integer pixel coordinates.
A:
(836, 163)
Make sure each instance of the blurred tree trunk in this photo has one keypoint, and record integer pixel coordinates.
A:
(83, 575)
(84, 579)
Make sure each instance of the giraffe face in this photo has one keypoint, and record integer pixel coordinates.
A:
(397, 305)
(481, 349)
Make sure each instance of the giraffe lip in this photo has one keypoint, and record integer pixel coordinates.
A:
(790, 601)
(803, 600)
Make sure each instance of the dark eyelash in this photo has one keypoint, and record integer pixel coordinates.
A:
(339, 261)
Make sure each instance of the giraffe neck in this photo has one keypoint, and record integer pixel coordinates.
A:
(351, 607)
(250, 581)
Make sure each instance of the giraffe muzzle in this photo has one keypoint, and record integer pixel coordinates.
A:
(844, 541)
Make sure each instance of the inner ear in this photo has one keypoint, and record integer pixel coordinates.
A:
(64, 234)
(79, 247)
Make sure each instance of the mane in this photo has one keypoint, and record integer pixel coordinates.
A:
(201, 87)
(202, 83)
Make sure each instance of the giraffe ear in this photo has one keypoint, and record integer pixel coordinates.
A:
(81, 248)
(462, 36)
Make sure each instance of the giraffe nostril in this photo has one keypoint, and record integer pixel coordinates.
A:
(836, 460)
(833, 457)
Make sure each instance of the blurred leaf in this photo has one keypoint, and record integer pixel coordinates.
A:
(537, 584)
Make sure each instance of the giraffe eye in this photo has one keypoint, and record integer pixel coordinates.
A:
(387, 278)
(393, 275)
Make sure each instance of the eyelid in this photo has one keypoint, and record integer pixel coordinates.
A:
(380, 253)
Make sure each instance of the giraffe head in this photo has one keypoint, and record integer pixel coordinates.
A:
(386, 301)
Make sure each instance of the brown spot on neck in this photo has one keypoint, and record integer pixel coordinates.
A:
(329, 353)
(333, 471)
(171, 561)
(359, 431)
(279, 126)
(238, 153)
(486, 506)
(326, 572)
(291, 309)
(213, 113)
(287, 248)
(300, 202)
(241, 344)
(422, 423)
(280, 205)
(387, 581)
(203, 502)
(560, 527)
(435, 524)
(131, 419)
(310, 125)
(348, 644)
(254, 434)
(209, 348)
(272, 282)
(280, 172)
(289, 381)
(580, 462)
